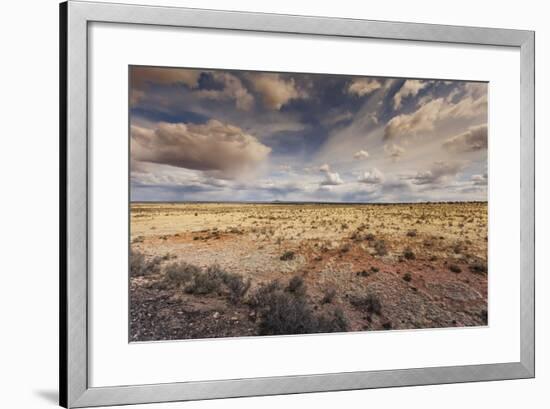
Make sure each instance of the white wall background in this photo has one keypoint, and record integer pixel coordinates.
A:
(29, 202)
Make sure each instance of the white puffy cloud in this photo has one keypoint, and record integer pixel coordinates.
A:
(363, 86)
(473, 104)
(221, 149)
(479, 180)
(438, 172)
(331, 178)
(275, 91)
(476, 89)
(233, 88)
(361, 154)
(394, 151)
(474, 139)
(421, 120)
(409, 88)
(372, 177)
(467, 107)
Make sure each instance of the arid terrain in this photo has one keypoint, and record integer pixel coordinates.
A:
(201, 270)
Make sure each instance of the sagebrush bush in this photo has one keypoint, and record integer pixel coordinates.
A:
(335, 322)
(296, 285)
(206, 281)
(328, 295)
(380, 247)
(140, 265)
(370, 303)
(262, 294)
(409, 254)
(203, 284)
(454, 268)
(478, 268)
(287, 255)
(345, 248)
(283, 312)
(181, 273)
(237, 286)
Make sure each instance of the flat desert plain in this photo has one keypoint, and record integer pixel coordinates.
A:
(202, 270)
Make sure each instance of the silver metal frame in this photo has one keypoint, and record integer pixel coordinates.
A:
(74, 18)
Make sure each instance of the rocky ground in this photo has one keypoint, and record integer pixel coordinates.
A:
(331, 267)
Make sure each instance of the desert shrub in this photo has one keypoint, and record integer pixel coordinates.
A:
(335, 322)
(369, 237)
(137, 263)
(409, 254)
(345, 248)
(138, 239)
(478, 268)
(237, 286)
(363, 273)
(454, 268)
(261, 295)
(296, 285)
(429, 243)
(282, 312)
(407, 277)
(380, 247)
(181, 273)
(370, 303)
(140, 266)
(287, 314)
(168, 256)
(206, 281)
(411, 233)
(328, 295)
(234, 230)
(355, 236)
(287, 255)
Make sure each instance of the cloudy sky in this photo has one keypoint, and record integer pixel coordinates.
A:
(217, 135)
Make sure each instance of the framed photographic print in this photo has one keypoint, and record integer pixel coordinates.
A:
(256, 204)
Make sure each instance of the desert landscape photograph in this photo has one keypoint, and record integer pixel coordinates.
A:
(269, 203)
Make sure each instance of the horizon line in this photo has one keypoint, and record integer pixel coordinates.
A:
(301, 202)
